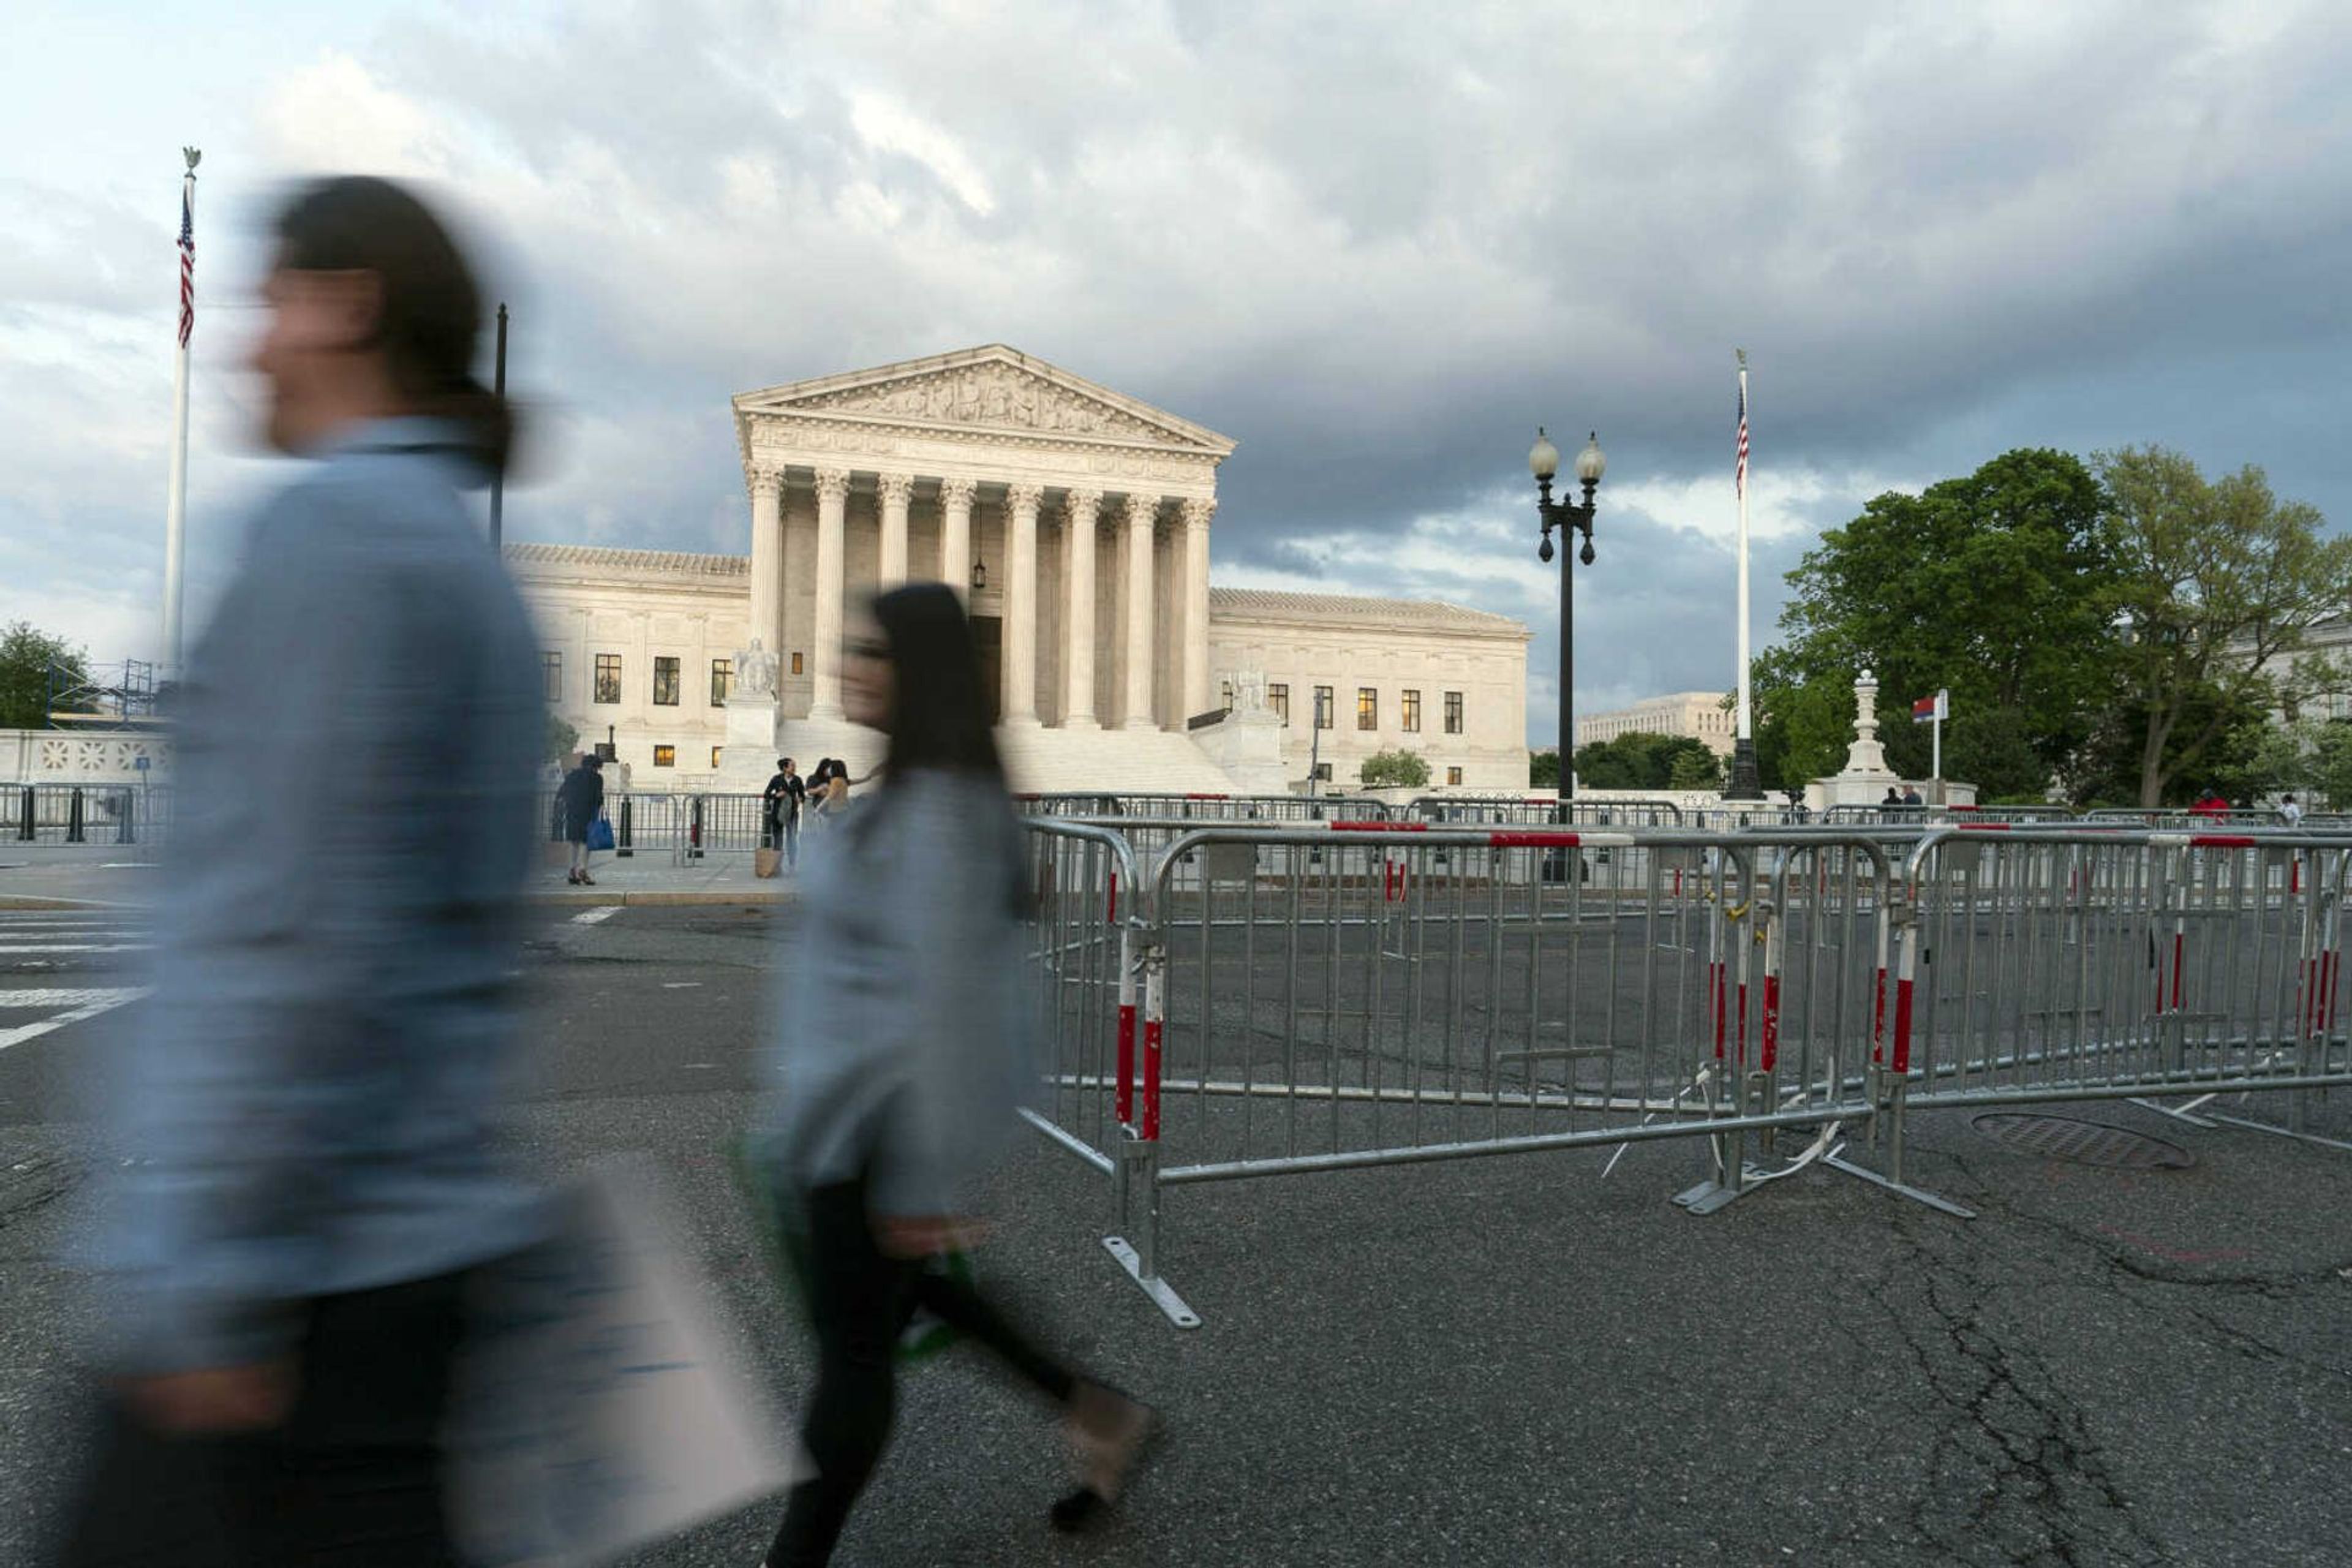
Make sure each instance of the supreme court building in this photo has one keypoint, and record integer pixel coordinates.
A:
(1076, 521)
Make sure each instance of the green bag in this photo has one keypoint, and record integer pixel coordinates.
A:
(788, 1247)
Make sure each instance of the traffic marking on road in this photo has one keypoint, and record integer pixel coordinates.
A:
(80, 1005)
(75, 947)
(601, 913)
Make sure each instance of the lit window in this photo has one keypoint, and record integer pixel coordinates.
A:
(714, 756)
(665, 682)
(1453, 775)
(1324, 718)
(722, 671)
(665, 756)
(1368, 708)
(550, 668)
(796, 664)
(608, 678)
(1412, 712)
(1277, 697)
(1454, 713)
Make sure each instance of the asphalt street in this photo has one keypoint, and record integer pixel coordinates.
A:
(1506, 1361)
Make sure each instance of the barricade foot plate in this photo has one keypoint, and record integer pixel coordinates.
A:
(1917, 1194)
(1706, 1197)
(2177, 1113)
(1162, 1295)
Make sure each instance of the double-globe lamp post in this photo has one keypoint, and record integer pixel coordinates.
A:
(1543, 461)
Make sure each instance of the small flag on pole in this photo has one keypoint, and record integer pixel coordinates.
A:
(1740, 469)
(187, 268)
(1929, 708)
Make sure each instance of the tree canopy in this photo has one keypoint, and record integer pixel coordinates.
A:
(2107, 627)
(1395, 770)
(26, 657)
(1640, 760)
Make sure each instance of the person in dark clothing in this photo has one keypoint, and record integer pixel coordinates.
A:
(785, 795)
(901, 1063)
(1911, 796)
(1893, 796)
(579, 798)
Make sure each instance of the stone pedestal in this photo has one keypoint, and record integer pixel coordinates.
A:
(749, 760)
(1865, 779)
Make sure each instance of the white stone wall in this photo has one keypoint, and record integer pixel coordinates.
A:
(695, 615)
(1488, 668)
(1697, 714)
(84, 756)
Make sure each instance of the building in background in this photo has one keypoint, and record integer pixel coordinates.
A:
(1700, 715)
(1076, 520)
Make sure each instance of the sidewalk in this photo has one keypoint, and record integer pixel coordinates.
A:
(48, 875)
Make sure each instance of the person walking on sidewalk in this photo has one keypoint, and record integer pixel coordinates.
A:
(785, 796)
(579, 799)
(903, 1055)
(290, 1256)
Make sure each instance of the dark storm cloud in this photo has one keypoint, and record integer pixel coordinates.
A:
(1378, 244)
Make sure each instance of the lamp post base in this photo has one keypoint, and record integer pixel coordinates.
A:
(1744, 785)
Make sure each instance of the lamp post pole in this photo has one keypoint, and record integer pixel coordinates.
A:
(1543, 461)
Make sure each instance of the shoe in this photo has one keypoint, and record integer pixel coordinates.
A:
(1111, 1431)
(587, 880)
(573, 878)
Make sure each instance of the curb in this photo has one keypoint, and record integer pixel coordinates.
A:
(660, 898)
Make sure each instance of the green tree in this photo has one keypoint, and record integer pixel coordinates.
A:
(1395, 770)
(2219, 582)
(26, 657)
(1640, 759)
(1997, 586)
(1543, 769)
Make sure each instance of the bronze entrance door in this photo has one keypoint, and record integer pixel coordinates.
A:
(988, 636)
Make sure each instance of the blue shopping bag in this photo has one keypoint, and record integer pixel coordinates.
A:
(600, 832)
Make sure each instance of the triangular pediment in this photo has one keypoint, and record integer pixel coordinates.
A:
(993, 387)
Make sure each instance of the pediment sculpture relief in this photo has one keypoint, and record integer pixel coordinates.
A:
(996, 394)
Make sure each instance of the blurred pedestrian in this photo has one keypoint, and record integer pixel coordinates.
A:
(306, 1182)
(578, 800)
(1911, 796)
(785, 795)
(2289, 812)
(1893, 796)
(904, 1055)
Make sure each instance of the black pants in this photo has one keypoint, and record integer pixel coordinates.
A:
(353, 1480)
(859, 1300)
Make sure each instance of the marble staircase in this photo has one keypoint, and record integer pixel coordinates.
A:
(1037, 760)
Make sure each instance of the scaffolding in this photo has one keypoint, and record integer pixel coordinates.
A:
(124, 696)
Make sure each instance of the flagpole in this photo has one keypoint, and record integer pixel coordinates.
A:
(175, 505)
(1744, 783)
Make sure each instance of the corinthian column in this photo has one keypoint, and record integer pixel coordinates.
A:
(1020, 605)
(955, 535)
(1140, 510)
(832, 501)
(1078, 626)
(896, 490)
(1197, 512)
(767, 560)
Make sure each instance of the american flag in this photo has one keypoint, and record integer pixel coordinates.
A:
(187, 267)
(1739, 473)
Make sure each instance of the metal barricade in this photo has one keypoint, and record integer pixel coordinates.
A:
(76, 813)
(1206, 808)
(1361, 994)
(1534, 810)
(2048, 965)
(2183, 820)
(1745, 817)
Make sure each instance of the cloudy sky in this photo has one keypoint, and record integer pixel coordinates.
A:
(1376, 244)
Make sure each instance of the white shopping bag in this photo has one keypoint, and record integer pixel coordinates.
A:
(601, 1408)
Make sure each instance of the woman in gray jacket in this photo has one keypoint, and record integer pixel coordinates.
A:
(904, 1057)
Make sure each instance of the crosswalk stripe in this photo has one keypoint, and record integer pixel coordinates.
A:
(76, 947)
(70, 996)
(83, 1014)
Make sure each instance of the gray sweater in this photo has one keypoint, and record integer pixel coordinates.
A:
(306, 1106)
(904, 1044)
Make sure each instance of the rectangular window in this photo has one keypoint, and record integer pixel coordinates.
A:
(665, 682)
(1324, 718)
(665, 756)
(1368, 708)
(1277, 697)
(1412, 712)
(714, 757)
(1323, 772)
(722, 670)
(608, 678)
(796, 664)
(551, 675)
(1454, 713)
(1228, 703)
(1453, 775)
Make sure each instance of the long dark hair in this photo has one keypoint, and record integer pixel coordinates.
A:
(431, 319)
(939, 717)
